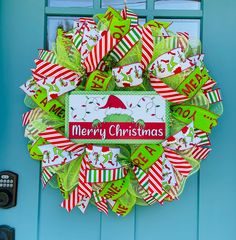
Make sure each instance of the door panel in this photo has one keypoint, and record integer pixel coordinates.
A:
(217, 216)
(56, 223)
(22, 27)
(206, 210)
(176, 220)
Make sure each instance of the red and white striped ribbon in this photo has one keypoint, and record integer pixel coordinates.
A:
(205, 140)
(58, 140)
(142, 177)
(178, 162)
(182, 40)
(127, 43)
(47, 69)
(25, 118)
(87, 20)
(128, 14)
(31, 116)
(100, 202)
(147, 47)
(165, 91)
(209, 85)
(84, 188)
(200, 153)
(101, 66)
(46, 175)
(104, 45)
(72, 201)
(155, 177)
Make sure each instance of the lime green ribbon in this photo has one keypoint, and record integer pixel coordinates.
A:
(145, 155)
(202, 118)
(53, 107)
(98, 81)
(193, 82)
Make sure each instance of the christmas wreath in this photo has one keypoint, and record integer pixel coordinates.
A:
(120, 113)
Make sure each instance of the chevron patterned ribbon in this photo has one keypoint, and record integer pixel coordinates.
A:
(165, 91)
(58, 140)
(147, 47)
(178, 162)
(126, 43)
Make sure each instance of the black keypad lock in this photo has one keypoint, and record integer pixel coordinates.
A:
(8, 189)
(7, 233)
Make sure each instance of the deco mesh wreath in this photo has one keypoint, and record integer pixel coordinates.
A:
(120, 113)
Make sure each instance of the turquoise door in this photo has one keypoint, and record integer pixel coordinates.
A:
(207, 208)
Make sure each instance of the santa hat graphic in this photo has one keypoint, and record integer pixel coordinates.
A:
(105, 150)
(114, 102)
(89, 148)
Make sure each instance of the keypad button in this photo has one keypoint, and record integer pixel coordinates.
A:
(11, 181)
(11, 185)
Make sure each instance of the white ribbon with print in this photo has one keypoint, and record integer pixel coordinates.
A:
(53, 156)
(128, 75)
(103, 157)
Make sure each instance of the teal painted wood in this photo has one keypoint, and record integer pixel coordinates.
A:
(217, 215)
(177, 220)
(56, 223)
(22, 26)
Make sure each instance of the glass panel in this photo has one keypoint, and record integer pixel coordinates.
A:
(54, 23)
(119, 4)
(178, 4)
(70, 3)
(142, 21)
(184, 25)
(67, 24)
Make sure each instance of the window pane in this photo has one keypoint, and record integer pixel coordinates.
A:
(184, 25)
(142, 21)
(178, 4)
(119, 4)
(54, 23)
(70, 3)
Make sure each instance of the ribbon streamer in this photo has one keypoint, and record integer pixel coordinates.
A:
(58, 140)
